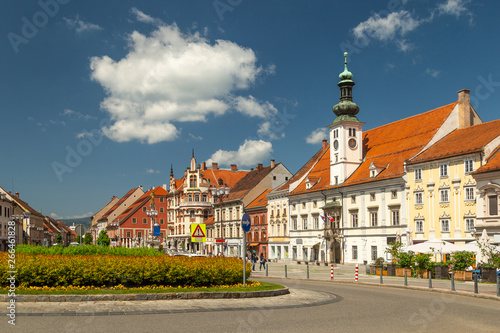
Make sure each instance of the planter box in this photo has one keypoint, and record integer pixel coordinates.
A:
(377, 272)
(401, 272)
(441, 272)
(489, 275)
(463, 275)
(373, 269)
(391, 270)
(424, 274)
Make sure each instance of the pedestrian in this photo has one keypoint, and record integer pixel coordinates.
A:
(262, 261)
(254, 260)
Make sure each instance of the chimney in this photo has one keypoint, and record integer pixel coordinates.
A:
(17, 194)
(164, 186)
(464, 109)
(234, 167)
(325, 144)
(259, 166)
(204, 166)
(272, 164)
(215, 166)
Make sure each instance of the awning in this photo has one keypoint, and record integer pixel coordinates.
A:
(331, 205)
(317, 244)
(253, 244)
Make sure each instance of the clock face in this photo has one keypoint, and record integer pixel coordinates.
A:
(352, 143)
(336, 144)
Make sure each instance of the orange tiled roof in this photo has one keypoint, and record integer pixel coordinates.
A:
(25, 205)
(461, 141)
(159, 191)
(261, 200)
(229, 177)
(320, 172)
(210, 221)
(492, 163)
(392, 144)
(116, 205)
(248, 182)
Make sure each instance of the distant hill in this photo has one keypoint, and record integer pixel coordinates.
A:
(86, 221)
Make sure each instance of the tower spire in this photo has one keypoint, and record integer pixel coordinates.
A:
(171, 171)
(346, 109)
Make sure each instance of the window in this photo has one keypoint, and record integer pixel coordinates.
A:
(191, 214)
(419, 226)
(162, 221)
(197, 197)
(444, 196)
(419, 198)
(418, 175)
(372, 196)
(304, 223)
(294, 224)
(394, 194)
(144, 209)
(144, 221)
(274, 177)
(204, 198)
(293, 207)
(353, 199)
(373, 219)
(445, 225)
(134, 220)
(190, 197)
(469, 224)
(395, 217)
(374, 253)
(336, 133)
(128, 234)
(192, 181)
(443, 170)
(139, 234)
(469, 193)
(205, 214)
(354, 252)
(336, 180)
(493, 205)
(162, 210)
(352, 132)
(314, 203)
(469, 166)
(284, 229)
(354, 220)
(304, 205)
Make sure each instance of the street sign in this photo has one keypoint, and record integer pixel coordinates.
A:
(80, 230)
(198, 232)
(245, 222)
(156, 231)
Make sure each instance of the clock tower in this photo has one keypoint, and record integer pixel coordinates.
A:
(346, 132)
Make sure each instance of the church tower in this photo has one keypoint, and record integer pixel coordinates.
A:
(346, 132)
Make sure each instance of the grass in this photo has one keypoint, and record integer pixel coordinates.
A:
(263, 286)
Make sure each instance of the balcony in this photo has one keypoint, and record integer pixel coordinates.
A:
(195, 204)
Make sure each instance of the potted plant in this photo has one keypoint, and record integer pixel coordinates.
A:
(393, 249)
(460, 261)
(405, 261)
(379, 265)
(422, 264)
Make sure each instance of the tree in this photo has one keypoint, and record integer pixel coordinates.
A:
(103, 238)
(87, 239)
(59, 239)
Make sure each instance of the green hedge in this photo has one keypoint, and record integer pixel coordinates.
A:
(87, 250)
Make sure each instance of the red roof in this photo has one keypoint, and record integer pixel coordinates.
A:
(320, 172)
(461, 141)
(492, 163)
(260, 201)
(116, 205)
(159, 191)
(249, 181)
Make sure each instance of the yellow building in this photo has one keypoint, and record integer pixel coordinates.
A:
(441, 190)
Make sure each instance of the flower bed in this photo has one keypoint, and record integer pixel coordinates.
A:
(130, 271)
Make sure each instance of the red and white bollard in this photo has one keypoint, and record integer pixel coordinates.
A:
(332, 272)
(356, 274)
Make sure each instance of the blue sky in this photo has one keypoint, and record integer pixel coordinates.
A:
(99, 97)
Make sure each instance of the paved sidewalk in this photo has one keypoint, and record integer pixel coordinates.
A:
(296, 298)
(346, 273)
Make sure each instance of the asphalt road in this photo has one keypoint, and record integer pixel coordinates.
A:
(358, 308)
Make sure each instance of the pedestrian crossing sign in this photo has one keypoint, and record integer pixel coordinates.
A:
(198, 232)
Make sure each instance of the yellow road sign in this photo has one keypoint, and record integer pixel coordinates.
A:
(198, 232)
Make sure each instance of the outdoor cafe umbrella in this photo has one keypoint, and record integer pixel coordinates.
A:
(433, 246)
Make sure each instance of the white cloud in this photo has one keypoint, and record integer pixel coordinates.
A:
(267, 131)
(194, 137)
(152, 171)
(317, 136)
(432, 72)
(248, 154)
(171, 77)
(394, 25)
(453, 7)
(81, 26)
(55, 216)
(76, 115)
(141, 17)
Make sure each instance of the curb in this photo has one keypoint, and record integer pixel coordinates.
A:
(144, 297)
(443, 291)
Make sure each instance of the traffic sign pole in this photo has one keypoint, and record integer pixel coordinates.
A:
(245, 225)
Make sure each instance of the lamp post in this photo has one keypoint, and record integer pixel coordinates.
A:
(219, 193)
(152, 213)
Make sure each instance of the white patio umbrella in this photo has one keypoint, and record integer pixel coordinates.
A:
(471, 247)
(433, 246)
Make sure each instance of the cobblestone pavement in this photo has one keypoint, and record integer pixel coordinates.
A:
(296, 298)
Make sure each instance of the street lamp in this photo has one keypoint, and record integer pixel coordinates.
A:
(152, 213)
(219, 193)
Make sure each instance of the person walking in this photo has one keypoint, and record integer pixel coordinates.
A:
(262, 261)
(254, 260)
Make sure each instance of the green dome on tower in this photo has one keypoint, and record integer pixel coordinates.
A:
(346, 109)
